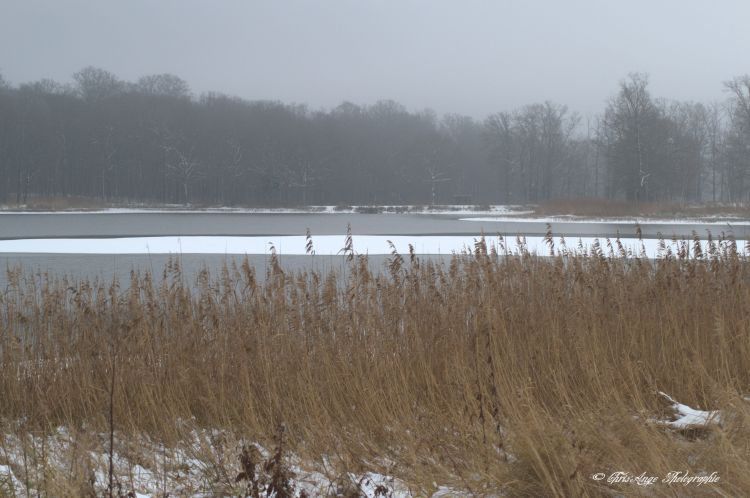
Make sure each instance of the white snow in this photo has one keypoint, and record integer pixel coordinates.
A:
(333, 244)
(483, 213)
(8, 480)
(323, 244)
(384, 209)
(689, 418)
(713, 221)
(147, 468)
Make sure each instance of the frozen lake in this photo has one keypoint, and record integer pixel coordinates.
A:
(138, 224)
(113, 243)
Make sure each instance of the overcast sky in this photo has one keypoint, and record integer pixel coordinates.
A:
(464, 56)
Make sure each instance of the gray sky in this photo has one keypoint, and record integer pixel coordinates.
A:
(465, 56)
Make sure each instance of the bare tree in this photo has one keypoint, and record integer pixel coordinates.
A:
(714, 127)
(738, 136)
(500, 136)
(165, 85)
(180, 161)
(107, 153)
(95, 84)
(739, 87)
(630, 121)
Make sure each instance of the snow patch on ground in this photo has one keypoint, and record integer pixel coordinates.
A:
(473, 212)
(458, 209)
(689, 418)
(205, 464)
(714, 221)
(8, 479)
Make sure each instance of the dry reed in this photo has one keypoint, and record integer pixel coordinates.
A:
(520, 374)
(598, 208)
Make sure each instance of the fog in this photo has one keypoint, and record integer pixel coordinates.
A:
(471, 57)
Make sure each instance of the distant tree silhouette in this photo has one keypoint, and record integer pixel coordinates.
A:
(153, 141)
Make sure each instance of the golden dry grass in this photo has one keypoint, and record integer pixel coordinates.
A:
(518, 375)
(620, 208)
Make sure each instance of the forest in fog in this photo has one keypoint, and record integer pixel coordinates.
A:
(153, 141)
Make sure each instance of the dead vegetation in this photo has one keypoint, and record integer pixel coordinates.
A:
(604, 208)
(516, 375)
(55, 203)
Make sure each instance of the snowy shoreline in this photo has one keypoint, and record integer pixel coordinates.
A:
(491, 213)
(713, 221)
(356, 209)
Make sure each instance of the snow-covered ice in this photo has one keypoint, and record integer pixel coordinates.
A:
(333, 244)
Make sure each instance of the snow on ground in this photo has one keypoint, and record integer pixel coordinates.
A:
(689, 418)
(363, 244)
(708, 220)
(206, 463)
(8, 479)
(457, 209)
(473, 212)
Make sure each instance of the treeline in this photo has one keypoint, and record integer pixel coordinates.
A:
(153, 141)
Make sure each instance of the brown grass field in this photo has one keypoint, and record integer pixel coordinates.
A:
(496, 376)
